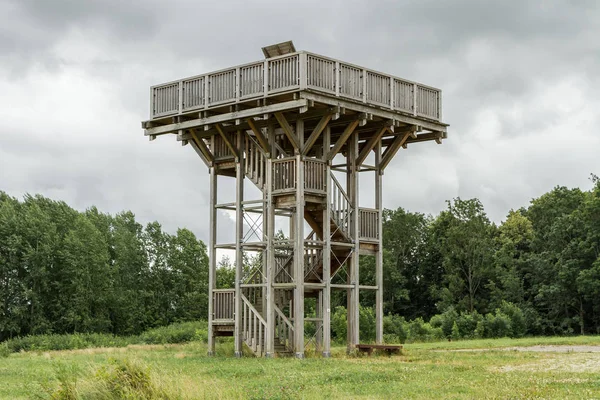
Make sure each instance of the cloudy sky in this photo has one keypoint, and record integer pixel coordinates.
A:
(520, 83)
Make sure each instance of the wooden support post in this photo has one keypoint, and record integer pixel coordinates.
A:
(239, 255)
(327, 254)
(353, 277)
(299, 252)
(212, 257)
(269, 217)
(379, 254)
(319, 322)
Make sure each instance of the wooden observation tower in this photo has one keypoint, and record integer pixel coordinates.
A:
(294, 133)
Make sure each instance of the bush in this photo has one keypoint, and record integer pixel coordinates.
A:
(421, 331)
(339, 328)
(467, 324)
(497, 326)
(517, 318)
(176, 333)
(4, 350)
(395, 329)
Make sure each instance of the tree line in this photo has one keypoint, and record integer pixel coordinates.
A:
(543, 260)
(64, 271)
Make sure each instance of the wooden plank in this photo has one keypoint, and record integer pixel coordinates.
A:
(264, 143)
(392, 149)
(360, 108)
(231, 116)
(228, 143)
(316, 133)
(200, 154)
(202, 147)
(342, 139)
(370, 144)
(287, 129)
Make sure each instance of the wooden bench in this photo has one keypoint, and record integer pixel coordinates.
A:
(388, 348)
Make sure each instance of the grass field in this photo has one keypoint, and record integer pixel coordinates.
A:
(429, 370)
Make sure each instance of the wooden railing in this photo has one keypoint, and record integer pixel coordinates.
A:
(293, 72)
(223, 304)
(284, 174)
(253, 327)
(315, 179)
(284, 329)
(368, 224)
(340, 206)
(255, 162)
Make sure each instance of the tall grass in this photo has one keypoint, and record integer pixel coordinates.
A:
(175, 333)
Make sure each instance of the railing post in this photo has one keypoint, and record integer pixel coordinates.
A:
(302, 70)
(415, 88)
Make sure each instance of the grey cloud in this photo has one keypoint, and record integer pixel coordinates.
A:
(495, 62)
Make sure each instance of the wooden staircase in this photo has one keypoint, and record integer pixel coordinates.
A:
(253, 327)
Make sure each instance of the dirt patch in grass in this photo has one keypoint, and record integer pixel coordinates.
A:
(539, 349)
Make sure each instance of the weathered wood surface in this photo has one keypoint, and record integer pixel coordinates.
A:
(293, 72)
(287, 124)
(369, 348)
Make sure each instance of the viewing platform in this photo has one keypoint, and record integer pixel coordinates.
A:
(302, 128)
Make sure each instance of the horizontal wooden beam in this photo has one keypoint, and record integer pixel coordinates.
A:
(348, 105)
(232, 116)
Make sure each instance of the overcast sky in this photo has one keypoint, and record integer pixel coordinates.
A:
(520, 81)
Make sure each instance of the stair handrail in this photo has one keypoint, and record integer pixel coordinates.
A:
(340, 205)
(283, 317)
(253, 310)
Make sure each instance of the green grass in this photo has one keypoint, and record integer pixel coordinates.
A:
(422, 371)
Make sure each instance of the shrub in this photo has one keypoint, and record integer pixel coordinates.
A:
(395, 328)
(455, 332)
(517, 318)
(339, 327)
(467, 324)
(4, 350)
(497, 325)
(419, 330)
(175, 333)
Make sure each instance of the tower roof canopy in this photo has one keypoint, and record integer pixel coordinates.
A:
(279, 49)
